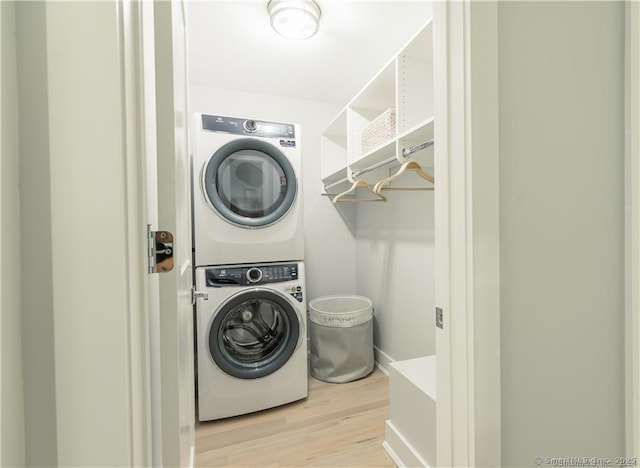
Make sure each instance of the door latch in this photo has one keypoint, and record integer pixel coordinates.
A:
(198, 294)
(160, 250)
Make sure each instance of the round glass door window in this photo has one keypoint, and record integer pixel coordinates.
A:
(254, 334)
(250, 183)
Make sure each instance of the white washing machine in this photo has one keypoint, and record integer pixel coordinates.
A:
(251, 338)
(247, 200)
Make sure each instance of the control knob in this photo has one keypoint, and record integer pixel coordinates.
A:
(254, 275)
(250, 126)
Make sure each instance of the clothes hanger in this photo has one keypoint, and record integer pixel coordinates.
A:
(358, 184)
(408, 166)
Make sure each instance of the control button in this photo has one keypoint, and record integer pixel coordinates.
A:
(254, 275)
(250, 126)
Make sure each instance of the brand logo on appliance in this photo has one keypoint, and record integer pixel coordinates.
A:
(288, 143)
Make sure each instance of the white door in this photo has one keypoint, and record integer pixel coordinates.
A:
(168, 199)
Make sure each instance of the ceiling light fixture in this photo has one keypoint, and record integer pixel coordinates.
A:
(294, 19)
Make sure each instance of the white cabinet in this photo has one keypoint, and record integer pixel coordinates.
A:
(403, 87)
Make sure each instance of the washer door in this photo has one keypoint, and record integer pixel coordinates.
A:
(254, 333)
(250, 183)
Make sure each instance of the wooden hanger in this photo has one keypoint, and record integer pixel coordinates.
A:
(359, 184)
(408, 166)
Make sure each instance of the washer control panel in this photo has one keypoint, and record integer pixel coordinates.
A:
(218, 277)
(259, 128)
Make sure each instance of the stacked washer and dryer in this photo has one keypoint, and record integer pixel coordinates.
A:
(249, 269)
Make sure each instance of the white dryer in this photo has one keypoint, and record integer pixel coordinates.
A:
(247, 200)
(251, 338)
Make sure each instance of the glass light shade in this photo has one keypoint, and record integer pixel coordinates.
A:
(294, 19)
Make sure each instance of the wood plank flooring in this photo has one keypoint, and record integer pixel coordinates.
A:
(338, 425)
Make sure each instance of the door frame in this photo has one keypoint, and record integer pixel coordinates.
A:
(467, 233)
(133, 92)
(158, 434)
(632, 226)
(175, 312)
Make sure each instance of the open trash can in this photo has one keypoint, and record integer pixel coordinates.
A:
(341, 336)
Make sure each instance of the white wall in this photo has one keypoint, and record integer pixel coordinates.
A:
(395, 268)
(12, 447)
(561, 209)
(329, 243)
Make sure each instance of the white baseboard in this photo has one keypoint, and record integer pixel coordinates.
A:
(384, 370)
(382, 360)
(400, 450)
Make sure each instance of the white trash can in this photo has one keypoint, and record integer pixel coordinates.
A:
(341, 336)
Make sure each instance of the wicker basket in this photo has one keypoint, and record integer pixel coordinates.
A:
(380, 130)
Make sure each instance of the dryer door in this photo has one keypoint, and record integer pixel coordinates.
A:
(254, 333)
(250, 183)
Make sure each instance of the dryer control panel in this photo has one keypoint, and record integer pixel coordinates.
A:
(249, 275)
(236, 126)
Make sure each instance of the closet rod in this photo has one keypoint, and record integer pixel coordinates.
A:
(405, 152)
(336, 183)
(412, 149)
(375, 166)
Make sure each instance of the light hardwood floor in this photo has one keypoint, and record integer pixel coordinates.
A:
(338, 425)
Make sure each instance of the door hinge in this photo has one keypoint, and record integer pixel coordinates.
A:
(439, 317)
(160, 250)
